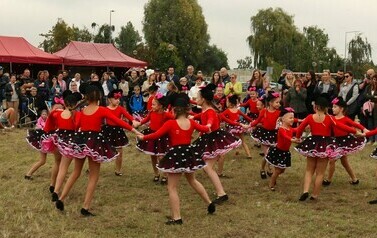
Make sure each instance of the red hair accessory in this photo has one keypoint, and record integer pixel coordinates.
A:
(159, 95)
(276, 95)
(289, 109)
(220, 85)
(252, 89)
(117, 95)
(335, 101)
(59, 101)
(185, 88)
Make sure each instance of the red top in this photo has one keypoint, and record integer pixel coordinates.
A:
(267, 118)
(157, 119)
(177, 136)
(348, 122)
(209, 116)
(284, 138)
(94, 121)
(118, 112)
(371, 133)
(232, 118)
(252, 104)
(149, 103)
(55, 121)
(321, 128)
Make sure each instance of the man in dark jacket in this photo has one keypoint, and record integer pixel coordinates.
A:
(3, 81)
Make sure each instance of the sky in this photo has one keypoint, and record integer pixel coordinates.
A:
(228, 21)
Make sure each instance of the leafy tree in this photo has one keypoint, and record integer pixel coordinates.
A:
(103, 34)
(167, 55)
(180, 23)
(360, 53)
(128, 39)
(246, 63)
(81, 34)
(213, 59)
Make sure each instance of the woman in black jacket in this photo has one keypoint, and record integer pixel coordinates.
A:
(12, 94)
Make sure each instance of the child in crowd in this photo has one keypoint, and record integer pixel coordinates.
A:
(136, 102)
(182, 157)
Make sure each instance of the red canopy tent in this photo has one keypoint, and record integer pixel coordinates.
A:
(19, 50)
(78, 53)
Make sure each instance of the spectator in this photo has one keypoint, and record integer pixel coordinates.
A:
(62, 83)
(233, 87)
(26, 81)
(288, 83)
(142, 76)
(46, 76)
(36, 102)
(3, 81)
(144, 89)
(7, 117)
(74, 87)
(136, 101)
(349, 91)
(12, 95)
(325, 88)
(171, 77)
(339, 78)
(257, 80)
(371, 114)
(77, 80)
(66, 77)
(55, 90)
(133, 80)
(225, 78)
(43, 88)
(361, 99)
(113, 78)
(184, 85)
(195, 89)
(309, 83)
(123, 85)
(107, 85)
(162, 84)
(216, 79)
(190, 76)
(295, 98)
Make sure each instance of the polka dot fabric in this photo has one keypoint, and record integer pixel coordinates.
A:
(115, 136)
(317, 146)
(344, 145)
(157, 147)
(279, 158)
(264, 136)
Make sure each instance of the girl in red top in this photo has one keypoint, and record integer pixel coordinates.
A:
(267, 133)
(318, 147)
(60, 127)
(181, 157)
(36, 139)
(114, 133)
(90, 141)
(252, 103)
(344, 143)
(232, 117)
(152, 90)
(216, 143)
(279, 156)
(158, 147)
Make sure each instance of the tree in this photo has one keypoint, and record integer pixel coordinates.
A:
(246, 63)
(103, 34)
(360, 53)
(213, 59)
(128, 39)
(180, 23)
(167, 55)
(61, 34)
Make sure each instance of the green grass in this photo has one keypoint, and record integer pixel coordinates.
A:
(133, 206)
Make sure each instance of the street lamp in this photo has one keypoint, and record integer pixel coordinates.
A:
(111, 11)
(345, 48)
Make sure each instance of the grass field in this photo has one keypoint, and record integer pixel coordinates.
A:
(133, 206)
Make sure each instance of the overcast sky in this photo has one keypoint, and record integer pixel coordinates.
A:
(228, 21)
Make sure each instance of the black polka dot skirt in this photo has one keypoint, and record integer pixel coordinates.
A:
(374, 154)
(253, 115)
(115, 135)
(94, 145)
(264, 136)
(278, 158)
(41, 141)
(64, 142)
(156, 147)
(216, 143)
(317, 146)
(237, 130)
(181, 159)
(344, 145)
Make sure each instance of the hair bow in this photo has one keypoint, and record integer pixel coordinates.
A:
(220, 85)
(289, 109)
(185, 88)
(276, 95)
(117, 95)
(59, 100)
(335, 101)
(159, 95)
(252, 89)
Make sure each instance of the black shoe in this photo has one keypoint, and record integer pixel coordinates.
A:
(27, 177)
(373, 201)
(263, 175)
(304, 196)
(51, 189)
(156, 178)
(174, 222)
(326, 182)
(86, 213)
(354, 182)
(164, 181)
(59, 205)
(211, 208)
(54, 197)
(221, 199)
(118, 174)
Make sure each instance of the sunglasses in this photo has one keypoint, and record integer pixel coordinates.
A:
(347, 76)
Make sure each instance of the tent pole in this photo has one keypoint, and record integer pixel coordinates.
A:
(10, 67)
